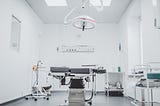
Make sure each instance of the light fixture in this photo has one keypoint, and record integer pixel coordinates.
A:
(154, 2)
(56, 2)
(64, 3)
(84, 22)
(98, 2)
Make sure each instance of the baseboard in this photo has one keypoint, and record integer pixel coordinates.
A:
(130, 98)
(11, 101)
(100, 92)
(55, 91)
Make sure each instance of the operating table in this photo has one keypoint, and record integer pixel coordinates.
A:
(78, 77)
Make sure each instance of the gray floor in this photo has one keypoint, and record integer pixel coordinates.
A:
(59, 97)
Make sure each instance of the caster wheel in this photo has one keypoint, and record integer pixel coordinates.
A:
(47, 98)
(65, 101)
(35, 99)
(90, 103)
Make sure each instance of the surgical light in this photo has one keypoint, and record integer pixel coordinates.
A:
(84, 22)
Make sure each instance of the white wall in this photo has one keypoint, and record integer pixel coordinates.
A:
(16, 67)
(130, 31)
(105, 38)
(151, 36)
(142, 39)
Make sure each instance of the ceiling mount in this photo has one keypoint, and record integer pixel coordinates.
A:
(55, 14)
(83, 22)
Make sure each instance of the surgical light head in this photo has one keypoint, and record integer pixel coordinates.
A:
(83, 22)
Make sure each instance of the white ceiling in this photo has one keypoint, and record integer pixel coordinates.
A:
(55, 15)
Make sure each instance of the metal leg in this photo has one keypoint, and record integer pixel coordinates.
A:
(143, 97)
(151, 97)
(134, 102)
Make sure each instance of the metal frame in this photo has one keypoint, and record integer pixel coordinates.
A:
(146, 69)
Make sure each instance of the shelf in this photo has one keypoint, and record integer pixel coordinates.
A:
(114, 89)
(136, 75)
(116, 72)
(114, 92)
(111, 87)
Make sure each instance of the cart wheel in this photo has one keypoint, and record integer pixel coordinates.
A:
(26, 98)
(47, 98)
(35, 99)
(90, 103)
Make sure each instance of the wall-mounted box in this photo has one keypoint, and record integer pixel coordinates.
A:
(15, 33)
(156, 5)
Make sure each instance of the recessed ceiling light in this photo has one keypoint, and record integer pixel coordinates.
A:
(154, 2)
(64, 3)
(98, 3)
(56, 2)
